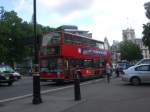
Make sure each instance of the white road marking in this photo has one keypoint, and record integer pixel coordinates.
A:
(48, 91)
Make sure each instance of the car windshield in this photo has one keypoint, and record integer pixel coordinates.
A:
(4, 69)
(143, 61)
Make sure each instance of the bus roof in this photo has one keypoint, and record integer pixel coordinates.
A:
(82, 36)
(74, 35)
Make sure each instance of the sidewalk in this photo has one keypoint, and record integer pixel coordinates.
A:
(96, 97)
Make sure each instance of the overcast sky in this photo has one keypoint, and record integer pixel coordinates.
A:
(102, 18)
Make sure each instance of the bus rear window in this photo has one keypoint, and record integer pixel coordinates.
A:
(51, 39)
(50, 65)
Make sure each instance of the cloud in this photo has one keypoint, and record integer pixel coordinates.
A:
(111, 17)
(65, 7)
(24, 8)
(23, 5)
(100, 17)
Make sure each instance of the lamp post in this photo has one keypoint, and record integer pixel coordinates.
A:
(36, 78)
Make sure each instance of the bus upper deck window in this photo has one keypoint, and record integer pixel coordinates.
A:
(46, 39)
(55, 38)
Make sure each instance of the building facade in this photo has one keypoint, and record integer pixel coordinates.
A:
(129, 34)
(106, 43)
(115, 52)
(144, 49)
(74, 29)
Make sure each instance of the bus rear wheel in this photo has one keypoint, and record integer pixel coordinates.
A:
(59, 82)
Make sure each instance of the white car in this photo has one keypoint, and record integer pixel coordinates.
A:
(137, 74)
(9, 69)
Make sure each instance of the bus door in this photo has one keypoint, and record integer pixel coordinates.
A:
(67, 69)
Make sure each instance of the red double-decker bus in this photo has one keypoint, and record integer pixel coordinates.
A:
(62, 51)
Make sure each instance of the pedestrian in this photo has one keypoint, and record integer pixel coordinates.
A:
(117, 72)
(108, 71)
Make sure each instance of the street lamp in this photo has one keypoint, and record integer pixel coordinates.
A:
(36, 78)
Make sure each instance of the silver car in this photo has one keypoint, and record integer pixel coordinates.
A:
(137, 74)
(143, 61)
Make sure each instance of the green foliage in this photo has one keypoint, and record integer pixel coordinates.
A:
(16, 36)
(146, 35)
(146, 27)
(129, 51)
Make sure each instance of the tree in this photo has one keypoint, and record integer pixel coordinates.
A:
(11, 34)
(146, 27)
(16, 37)
(129, 51)
(12, 30)
(146, 35)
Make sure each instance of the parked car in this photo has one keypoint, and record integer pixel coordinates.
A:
(6, 76)
(137, 74)
(9, 69)
(143, 61)
(120, 66)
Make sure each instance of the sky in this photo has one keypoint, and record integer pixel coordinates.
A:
(102, 18)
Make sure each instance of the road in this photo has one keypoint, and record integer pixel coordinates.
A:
(22, 87)
(99, 96)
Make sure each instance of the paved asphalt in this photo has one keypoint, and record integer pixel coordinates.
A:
(22, 87)
(99, 96)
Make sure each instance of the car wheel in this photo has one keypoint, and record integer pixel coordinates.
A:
(135, 81)
(9, 83)
(16, 78)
